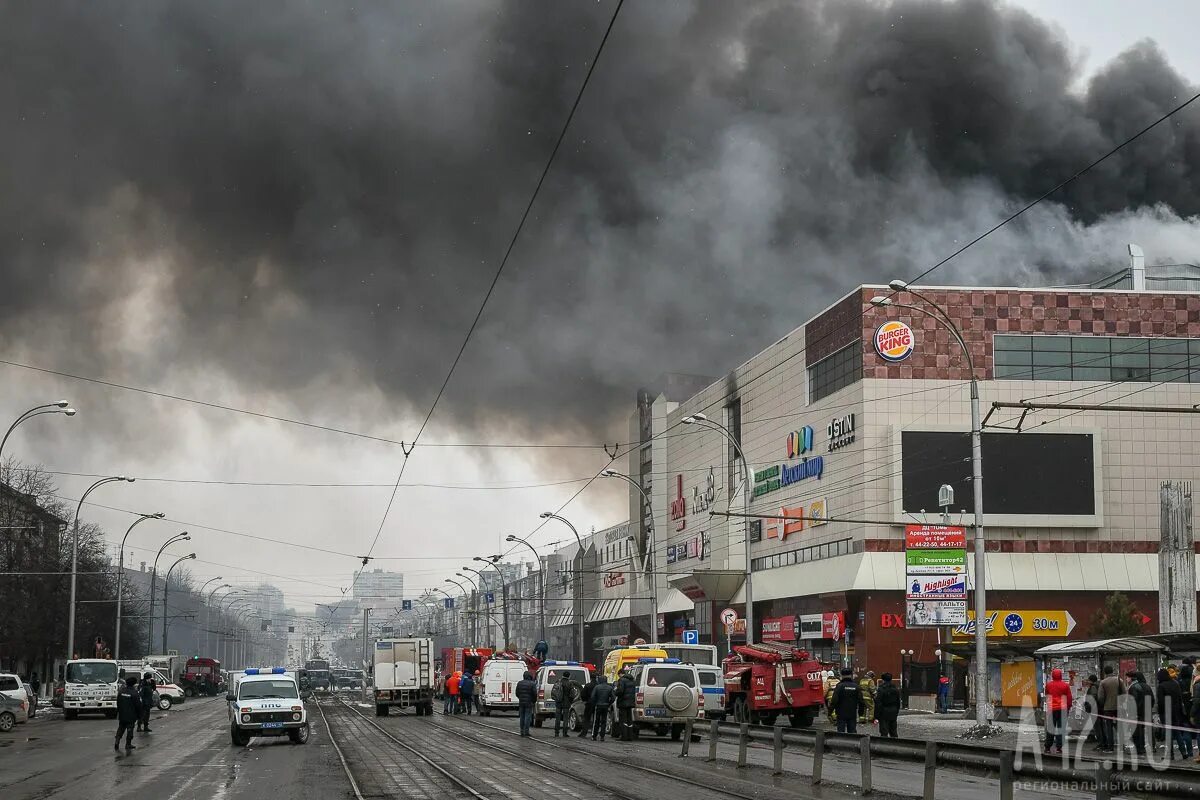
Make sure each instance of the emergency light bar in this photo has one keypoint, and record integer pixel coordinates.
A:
(272, 671)
(560, 663)
(648, 660)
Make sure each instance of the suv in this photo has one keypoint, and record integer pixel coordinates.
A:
(266, 703)
(548, 675)
(668, 695)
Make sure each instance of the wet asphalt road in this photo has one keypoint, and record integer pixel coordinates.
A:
(187, 756)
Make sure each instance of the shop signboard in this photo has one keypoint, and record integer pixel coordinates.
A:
(937, 587)
(779, 629)
(830, 625)
(936, 562)
(1005, 623)
(931, 613)
(926, 537)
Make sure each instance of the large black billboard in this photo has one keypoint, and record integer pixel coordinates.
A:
(1023, 473)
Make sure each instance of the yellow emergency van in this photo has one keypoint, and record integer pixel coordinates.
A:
(622, 657)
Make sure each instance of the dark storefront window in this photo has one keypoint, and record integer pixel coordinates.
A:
(1096, 358)
(835, 372)
(801, 555)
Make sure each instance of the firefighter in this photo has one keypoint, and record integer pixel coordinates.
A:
(866, 687)
(831, 683)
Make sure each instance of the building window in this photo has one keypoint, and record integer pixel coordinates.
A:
(1096, 358)
(803, 555)
(835, 372)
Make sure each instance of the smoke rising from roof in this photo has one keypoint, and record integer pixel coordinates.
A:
(310, 200)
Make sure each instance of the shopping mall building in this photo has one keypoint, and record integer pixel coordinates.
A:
(854, 422)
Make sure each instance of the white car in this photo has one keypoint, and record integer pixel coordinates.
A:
(550, 673)
(11, 687)
(267, 703)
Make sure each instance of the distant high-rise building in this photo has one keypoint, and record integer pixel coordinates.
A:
(268, 600)
(379, 589)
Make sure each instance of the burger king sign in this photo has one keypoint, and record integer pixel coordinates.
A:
(894, 341)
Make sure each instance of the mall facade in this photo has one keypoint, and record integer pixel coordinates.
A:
(854, 422)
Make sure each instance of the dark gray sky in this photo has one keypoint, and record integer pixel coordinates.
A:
(296, 208)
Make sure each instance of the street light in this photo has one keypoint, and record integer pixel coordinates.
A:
(541, 582)
(208, 615)
(121, 575)
(503, 591)
(466, 596)
(982, 716)
(650, 556)
(166, 586)
(57, 407)
(179, 537)
(75, 552)
(703, 421)
(578, 574)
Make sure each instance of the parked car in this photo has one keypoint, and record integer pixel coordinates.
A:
(11, 687)
(33, 698)
(12, 711)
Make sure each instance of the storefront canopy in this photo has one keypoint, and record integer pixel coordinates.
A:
(674, 602)
(561, 619)
(613, 608)
(1127, 646)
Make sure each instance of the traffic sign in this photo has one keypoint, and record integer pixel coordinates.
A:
(691, 637)
(489, 598)
(729, 616)
(1004, 623)
(406, 605)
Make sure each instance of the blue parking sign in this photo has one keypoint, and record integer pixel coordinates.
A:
(691, 637)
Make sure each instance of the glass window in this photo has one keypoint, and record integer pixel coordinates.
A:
(835, 372)
(1006, 357)
(1014, 373)
(1096, 358)
(1047, 343)
(1000, 342)
(1052, 373)
(1092, 373)
(665, 676)
(1089, 344)
(1168, 346)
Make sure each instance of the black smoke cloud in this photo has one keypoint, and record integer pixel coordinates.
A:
(312, 198)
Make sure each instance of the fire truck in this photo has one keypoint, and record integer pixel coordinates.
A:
(767, 679)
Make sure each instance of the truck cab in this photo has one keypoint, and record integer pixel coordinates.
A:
(266, 703)
(90, 686)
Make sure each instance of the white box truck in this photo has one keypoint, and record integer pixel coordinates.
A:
(404, 675)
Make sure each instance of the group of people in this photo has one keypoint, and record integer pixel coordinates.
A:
(134, 701)
(852, 700)
(462, 693)
(598, 698)
(1175, 699)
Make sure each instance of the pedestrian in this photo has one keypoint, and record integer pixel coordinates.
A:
(36, 683)
(129, 711)
(1169, 698)
(526, 693)
(477, 695)
(541, 650)
(887, 706)
(147, 697)
(626, 696)
(564, 694)
(845, 703)
(1143, 704)
(602, 700)
(1058, 700)
(943, 695)
(466, 693)
(447, 698)
(452, 687)
(866, 709)
(831, 683)
(589, 708)
(1091, 707)
(1106, 703)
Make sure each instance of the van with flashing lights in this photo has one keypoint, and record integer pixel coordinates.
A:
(617, 660)
(266, 702)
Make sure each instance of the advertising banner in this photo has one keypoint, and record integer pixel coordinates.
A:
(936, 562)
(779, 629)
(1003, 623)
(925, 537)
(937, 587)
(931, 613)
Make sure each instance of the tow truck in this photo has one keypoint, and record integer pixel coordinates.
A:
(767, 679)
(90, 686)
(266, 702)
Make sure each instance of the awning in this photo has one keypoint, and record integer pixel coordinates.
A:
(714, 585)
(674, 602)
(613, 608)
(561, 619)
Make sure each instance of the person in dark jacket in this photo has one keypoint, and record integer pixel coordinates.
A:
(146, 690)
(845, 702)
(602, 700)
(129, 711)
(887, 706)
(1143, 702)
(1107, 701)
(564, 694)
(589, 708)
(626, 696)
(1171, 713)
(466, 692)
(1091, 705)
(526, 692)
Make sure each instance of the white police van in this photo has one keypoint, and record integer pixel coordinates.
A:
(550, 673)
(266, 703)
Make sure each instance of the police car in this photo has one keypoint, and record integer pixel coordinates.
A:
(668, 695)
(266, 703)
(549, 674)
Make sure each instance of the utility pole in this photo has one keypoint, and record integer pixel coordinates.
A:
(1176, 558)
(366, 621)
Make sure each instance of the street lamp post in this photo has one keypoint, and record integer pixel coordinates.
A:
(121, 576)
(541, 583)
(476, 618)
(503, 592)
(223, 632)
(75, 553)
(650, 556)
(982, 704)
(481, 602)
(747, 484)
(208, 617)
(179, 537)
(57, 407)
(578, 576)
(166, 587)
(470, 618)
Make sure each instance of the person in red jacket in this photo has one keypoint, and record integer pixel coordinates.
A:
(1058, 700)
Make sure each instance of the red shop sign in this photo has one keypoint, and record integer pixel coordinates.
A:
(919, 537)
(779, 629)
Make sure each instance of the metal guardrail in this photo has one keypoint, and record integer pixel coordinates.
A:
(1107, 780)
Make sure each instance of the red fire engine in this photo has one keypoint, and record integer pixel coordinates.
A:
(767, 679)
